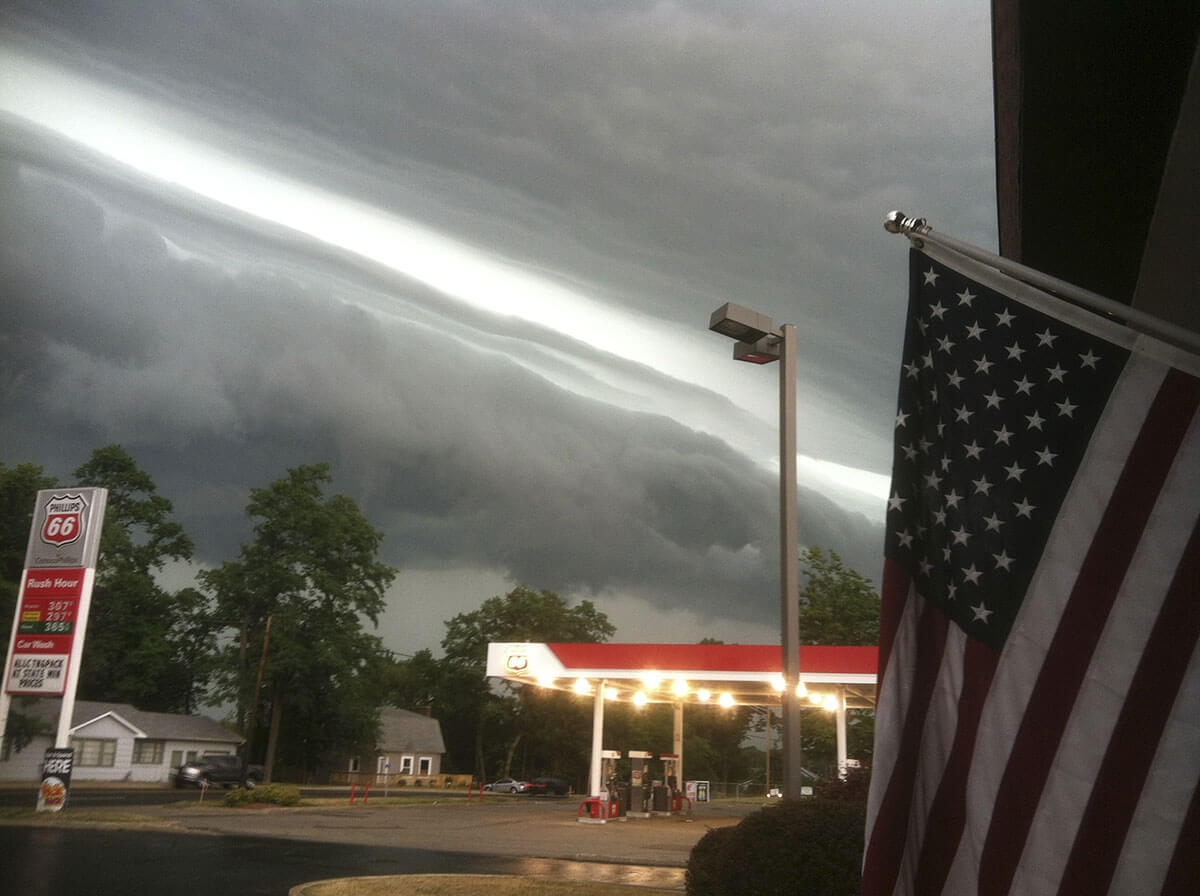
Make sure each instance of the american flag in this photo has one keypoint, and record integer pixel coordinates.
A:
(1038, 727)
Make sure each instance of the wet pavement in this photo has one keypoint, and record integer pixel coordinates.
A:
(196, 849)
(42, 861)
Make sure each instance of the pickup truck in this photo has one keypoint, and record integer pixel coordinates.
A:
(217, 768)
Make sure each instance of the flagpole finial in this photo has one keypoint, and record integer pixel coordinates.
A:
(898, 222)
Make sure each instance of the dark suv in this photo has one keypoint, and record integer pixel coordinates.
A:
(217, 768)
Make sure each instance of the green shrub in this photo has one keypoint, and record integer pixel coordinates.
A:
(702, 877)
(276, 794)
(851, 789)
(796, 848)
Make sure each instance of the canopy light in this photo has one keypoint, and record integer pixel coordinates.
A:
(726, 700)
(801, 689)
(778, 683)
(680, 688)
(582, 686)
(704, 695)
(640, 699)
(652, 680)
(832, 704)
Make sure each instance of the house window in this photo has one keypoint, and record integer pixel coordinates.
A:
(95, 752)
(426, 765)
(354, 764)
(148, 752)
(176, 758)
(406, 765)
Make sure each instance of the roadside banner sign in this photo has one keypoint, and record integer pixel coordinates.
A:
(56, 779)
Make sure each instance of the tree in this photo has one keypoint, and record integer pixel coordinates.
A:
(543, 725)
(837, 605)
(141, 641)
(311, 574)
(19, 486)
(522, 615)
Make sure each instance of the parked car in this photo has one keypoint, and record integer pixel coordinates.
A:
(548, 787)
(217, 768)
(507, 785)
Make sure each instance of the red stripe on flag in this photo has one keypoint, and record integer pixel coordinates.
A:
(885, 849)
(948, 811)
(1079, 630)
(1135, 738)
(895, 596)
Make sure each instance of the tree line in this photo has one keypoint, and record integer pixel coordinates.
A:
(282, 637)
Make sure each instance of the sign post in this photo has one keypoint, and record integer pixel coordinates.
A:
(53, 603)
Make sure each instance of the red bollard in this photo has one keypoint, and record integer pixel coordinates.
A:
(353, 787)
(366, 792)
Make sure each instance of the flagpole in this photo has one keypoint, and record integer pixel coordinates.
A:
(918, 231)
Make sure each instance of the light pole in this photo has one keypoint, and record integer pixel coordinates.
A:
(758, 341)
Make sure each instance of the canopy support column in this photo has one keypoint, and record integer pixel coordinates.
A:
(677, 743)
(594, 783)
(841, 732)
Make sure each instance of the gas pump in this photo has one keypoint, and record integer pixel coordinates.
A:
(672, 799)
(641, 788)
(611, 790)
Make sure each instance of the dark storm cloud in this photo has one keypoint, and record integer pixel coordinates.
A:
(736, 144)
(218, 379)
(661, 158)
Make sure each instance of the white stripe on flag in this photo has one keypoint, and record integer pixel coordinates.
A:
(897, 681)
(936, 742)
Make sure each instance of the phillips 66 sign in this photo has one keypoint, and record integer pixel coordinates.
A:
(66, 528)
(55, 593)
(65, 520)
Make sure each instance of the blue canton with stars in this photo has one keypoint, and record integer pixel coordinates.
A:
(997, 404)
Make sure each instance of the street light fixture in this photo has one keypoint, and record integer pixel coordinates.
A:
(741, 323)
(758, 341)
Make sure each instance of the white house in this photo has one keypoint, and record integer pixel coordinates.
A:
(116, 742)
(410, 747)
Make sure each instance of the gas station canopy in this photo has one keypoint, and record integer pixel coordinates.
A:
(692, 674)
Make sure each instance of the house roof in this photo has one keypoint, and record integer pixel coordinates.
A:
(150, 725)
(403, 731)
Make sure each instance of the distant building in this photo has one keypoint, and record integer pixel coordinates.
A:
(410, 749)
(116, 742)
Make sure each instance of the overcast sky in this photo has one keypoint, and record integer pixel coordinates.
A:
(466, 253)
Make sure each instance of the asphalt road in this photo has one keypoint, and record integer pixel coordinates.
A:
(40, 861)
(194, 848)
